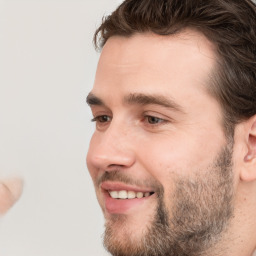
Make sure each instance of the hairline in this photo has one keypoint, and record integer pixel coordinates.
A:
(211, 87)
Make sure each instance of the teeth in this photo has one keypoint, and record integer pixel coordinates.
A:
(131, 194)
(139, 194)
(113, 194)
(147, 194)
(123, 194)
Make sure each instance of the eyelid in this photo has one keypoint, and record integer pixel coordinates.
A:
(161, 120)
(158, 115)
(101, 125)
(100, 111)
(97, 117)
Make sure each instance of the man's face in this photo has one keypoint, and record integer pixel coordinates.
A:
(159, 158)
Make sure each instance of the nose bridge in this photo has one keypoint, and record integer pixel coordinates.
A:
(112, 147)
(116, 136)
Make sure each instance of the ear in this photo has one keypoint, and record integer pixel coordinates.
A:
(249, 171)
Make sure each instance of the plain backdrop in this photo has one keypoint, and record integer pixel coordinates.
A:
(47, 68)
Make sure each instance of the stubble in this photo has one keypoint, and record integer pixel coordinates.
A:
(202, 207)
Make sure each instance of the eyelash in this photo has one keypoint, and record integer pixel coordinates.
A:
(146, 119)
(97, 118)
(158, 120)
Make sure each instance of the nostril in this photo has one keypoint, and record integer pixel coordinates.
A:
(115, 166)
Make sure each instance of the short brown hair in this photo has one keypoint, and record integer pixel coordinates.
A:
(229, 24)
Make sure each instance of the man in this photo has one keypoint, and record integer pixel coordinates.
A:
(10, 191)
(173, 156)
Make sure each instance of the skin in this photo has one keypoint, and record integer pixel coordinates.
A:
(180, 144)
(10, 192)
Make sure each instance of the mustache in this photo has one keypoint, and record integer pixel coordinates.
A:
(116, 175)
(121, 176)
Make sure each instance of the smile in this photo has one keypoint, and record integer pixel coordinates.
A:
(119, 198)
(124, 194)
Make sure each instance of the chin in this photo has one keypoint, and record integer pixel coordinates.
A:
(134, 223)
(124, 232)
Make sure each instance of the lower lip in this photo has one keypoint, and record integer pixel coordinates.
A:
(121, 206)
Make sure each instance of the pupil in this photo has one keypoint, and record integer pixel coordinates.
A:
(153, 120)
(104, 119)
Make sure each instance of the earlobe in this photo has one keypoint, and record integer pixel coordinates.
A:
(249, 172)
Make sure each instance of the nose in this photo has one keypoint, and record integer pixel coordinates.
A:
(111, 149)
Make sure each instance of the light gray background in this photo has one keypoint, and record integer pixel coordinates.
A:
(47, 67)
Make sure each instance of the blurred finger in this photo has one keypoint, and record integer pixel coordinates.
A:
(10, 192)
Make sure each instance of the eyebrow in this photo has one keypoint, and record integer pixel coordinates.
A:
(92, 99)
(140, 99)
(148, 99)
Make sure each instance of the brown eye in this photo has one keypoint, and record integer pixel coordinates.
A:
(101, 119)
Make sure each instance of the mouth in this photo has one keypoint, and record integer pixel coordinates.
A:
(121, 198)
(124, 194)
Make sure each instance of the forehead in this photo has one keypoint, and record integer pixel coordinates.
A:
(179, 65)
(185, 43)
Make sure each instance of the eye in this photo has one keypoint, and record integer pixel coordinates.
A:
(101, 119)
(154, 120)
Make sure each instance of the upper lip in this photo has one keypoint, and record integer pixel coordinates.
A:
(118, 186)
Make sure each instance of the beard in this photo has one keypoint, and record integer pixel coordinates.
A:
(202, 207)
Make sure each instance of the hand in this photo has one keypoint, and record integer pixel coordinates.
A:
(10, 191)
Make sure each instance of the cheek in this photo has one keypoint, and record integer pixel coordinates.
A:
(179, 154)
